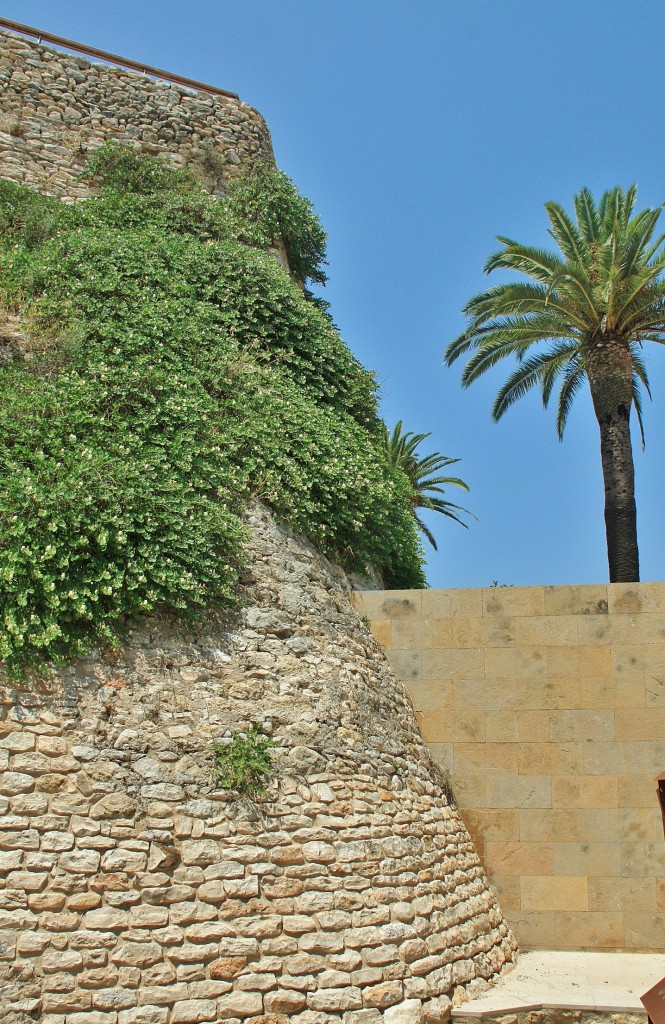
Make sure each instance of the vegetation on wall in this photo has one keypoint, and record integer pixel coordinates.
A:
(173, 372)
(243, 764)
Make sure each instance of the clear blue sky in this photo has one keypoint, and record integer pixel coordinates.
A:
(420, 132)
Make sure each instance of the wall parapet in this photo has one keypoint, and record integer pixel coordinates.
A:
(547, 706)
(57, 107)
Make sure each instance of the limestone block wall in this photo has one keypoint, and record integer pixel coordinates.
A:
(134, 891)
(547, 705)
(55, 108)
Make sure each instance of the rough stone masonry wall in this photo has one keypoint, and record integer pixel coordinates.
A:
(55, 108)
(547, 704)
(134, 892)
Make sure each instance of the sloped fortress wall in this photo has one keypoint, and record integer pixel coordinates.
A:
(55, 108)
(547, 705)
(134, 892)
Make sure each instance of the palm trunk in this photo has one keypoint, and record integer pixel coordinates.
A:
(610, 377)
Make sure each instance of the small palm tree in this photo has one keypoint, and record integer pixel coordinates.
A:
(592, 306)
(402, 453)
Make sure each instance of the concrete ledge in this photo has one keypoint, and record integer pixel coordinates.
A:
(556, 987)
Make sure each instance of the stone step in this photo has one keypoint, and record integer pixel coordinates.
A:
(556, 987)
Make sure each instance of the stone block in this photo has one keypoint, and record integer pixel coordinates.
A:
(144, 1015)
(507, 889)
(644, 932)
(405, 664)
(493, 693)
(532, 726)
(535, 930)
(379, 997)
(630, 659)
(587, 858)
(491, 757)
(91, 1017)
(18, 741)
(382, 631)
(635, 791)
(550, 758)
(547, 631)
(538, 824)
(614, 691)
(516, 858)
(471, 789)
(518, 791)
(452, 664)
(594, 791)
(582, 726)
(284, 1000)
(589, 930)
(501, 727)
(542, 893)
(623, 824)
(524, 601)
(200, 852)
(625, 894)
(552, 690)
(642, 860)
(515, 663)
(113, 999)
(394, 604)
(467, 633)
(460, 727)
(239, 1004)
(335, 1000)
(410, 1011)
(636, 724)
(421, 634)
(194, 1011)
(430, 695)
(502, 824)
(443, 755)
(645, 757)
(655, 690)
(590, 599)
(450, 604)
(602, 758)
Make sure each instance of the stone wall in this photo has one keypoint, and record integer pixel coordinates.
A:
(55, 108)
(132, 891)
(547, 704)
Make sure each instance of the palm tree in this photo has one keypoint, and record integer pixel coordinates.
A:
(592, 307)
(402, 453)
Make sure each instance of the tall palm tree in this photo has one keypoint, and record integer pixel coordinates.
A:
(584, 314)
(402, 453)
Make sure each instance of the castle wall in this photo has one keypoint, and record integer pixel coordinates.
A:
(547, 705)
(55, 108)
(134, 890)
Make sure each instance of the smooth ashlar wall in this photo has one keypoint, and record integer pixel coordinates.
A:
(547, 705)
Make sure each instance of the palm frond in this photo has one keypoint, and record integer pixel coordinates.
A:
(537, 263)
(572, 382)
(587, 216)
(402, 455)
(640, 380)
(566, 235)
(428, 533)
(641, 230)
(527, 375)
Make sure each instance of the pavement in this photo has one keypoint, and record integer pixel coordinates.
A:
(600, 982)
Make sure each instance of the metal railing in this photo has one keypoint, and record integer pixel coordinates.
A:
(112, 58)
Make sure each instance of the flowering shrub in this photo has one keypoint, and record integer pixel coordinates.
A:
(174, 372)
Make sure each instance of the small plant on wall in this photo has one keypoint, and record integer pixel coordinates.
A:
(243, 764)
